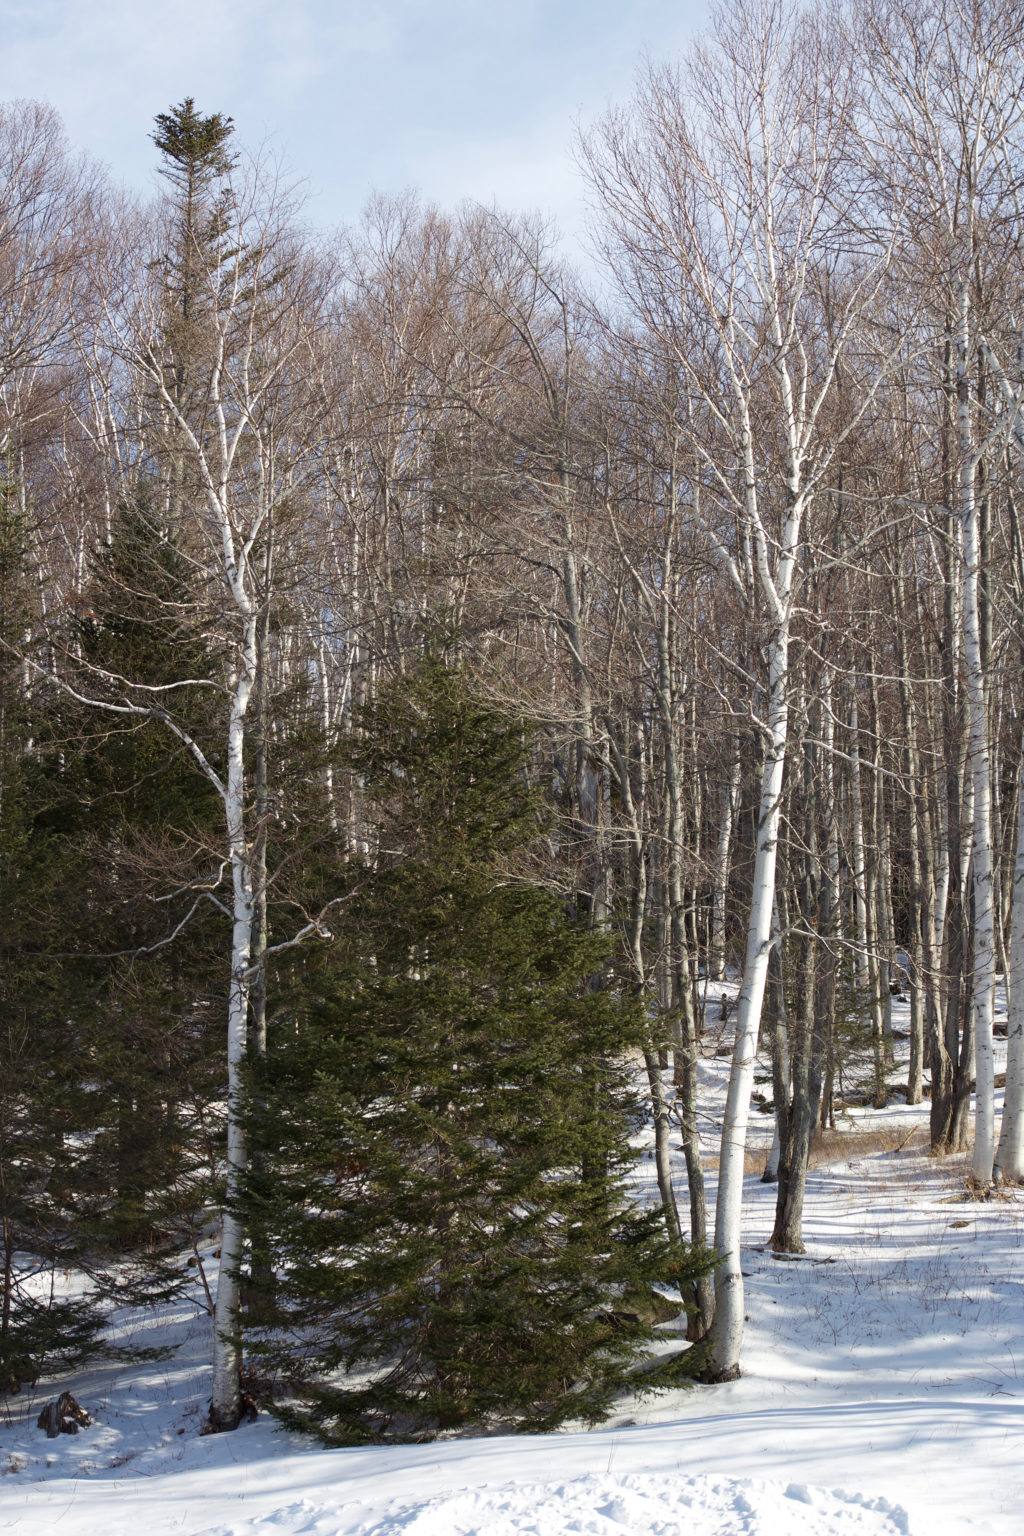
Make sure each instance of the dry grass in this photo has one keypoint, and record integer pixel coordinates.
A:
(968, 1191)
(842, 1145)
(834, 1146)
(753, 1161)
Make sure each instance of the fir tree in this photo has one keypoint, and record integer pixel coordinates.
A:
(195, 159)
(47, 1197)
(130, 825)
(109, 1058)
(445, 1128)
(196, 162)
(147, 824)
(194, 148)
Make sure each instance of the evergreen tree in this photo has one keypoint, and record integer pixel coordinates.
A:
(445, 1127)
(196, 162)
(145, 827)
(194, 149)
(47, 1194)
(117, 848)
(195, 159)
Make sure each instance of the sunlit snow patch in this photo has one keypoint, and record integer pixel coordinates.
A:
(608, 1506)
(647, 1506)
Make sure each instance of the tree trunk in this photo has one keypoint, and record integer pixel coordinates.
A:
(720, 874)
(981, 771)
(916, 906)
(727, 1331)
(226, 1403)
(1009, 1163)
(776, 1023)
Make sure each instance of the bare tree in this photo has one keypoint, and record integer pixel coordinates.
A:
(722, 193)
(237, 431)
(949, 121)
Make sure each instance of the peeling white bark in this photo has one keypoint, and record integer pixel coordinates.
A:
(980, 762)
(720, 873)
(727, 1331)
(1009, 1164)
(226, 1394)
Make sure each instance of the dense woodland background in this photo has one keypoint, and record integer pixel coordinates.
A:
(728, 537)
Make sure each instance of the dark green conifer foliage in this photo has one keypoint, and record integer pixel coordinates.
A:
(45, 1202)
(127, 827)
(195, 158)
(193, 146)
(148, 833)
(111, 1052)
(196, 162)
(445, 1128)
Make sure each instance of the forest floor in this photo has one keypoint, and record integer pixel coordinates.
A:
(882, 1393)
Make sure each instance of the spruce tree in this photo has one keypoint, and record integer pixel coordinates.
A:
(194, 159)
(197, 163)
(146, 827)
(48, 1197)
(127, 828)
(445, 1125)
(194, 148)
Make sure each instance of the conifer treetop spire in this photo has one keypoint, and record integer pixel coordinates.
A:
(193, 146)
(195, 160)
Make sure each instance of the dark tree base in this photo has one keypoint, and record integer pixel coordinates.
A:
(63, 1417)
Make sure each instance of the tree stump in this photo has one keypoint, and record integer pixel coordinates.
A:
(63, 1417)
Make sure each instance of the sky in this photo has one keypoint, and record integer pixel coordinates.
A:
(461, 99)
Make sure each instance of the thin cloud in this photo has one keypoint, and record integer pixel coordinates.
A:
(464, 98)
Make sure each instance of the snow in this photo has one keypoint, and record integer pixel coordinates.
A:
(881, 1394)
(663, 1506)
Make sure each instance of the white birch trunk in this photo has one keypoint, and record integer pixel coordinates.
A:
(780, 1076)
(859, 858)
(727, 1331)
(1010, 1156)
(673, 176)
(720, 873)
(226, 1398)
(981, 776)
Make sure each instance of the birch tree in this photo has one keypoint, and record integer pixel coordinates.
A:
(721, 192)
(950, 121)
(238, 422)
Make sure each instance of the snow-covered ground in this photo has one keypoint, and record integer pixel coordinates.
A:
(880, 1395)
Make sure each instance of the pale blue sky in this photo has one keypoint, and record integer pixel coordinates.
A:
(460, 98)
